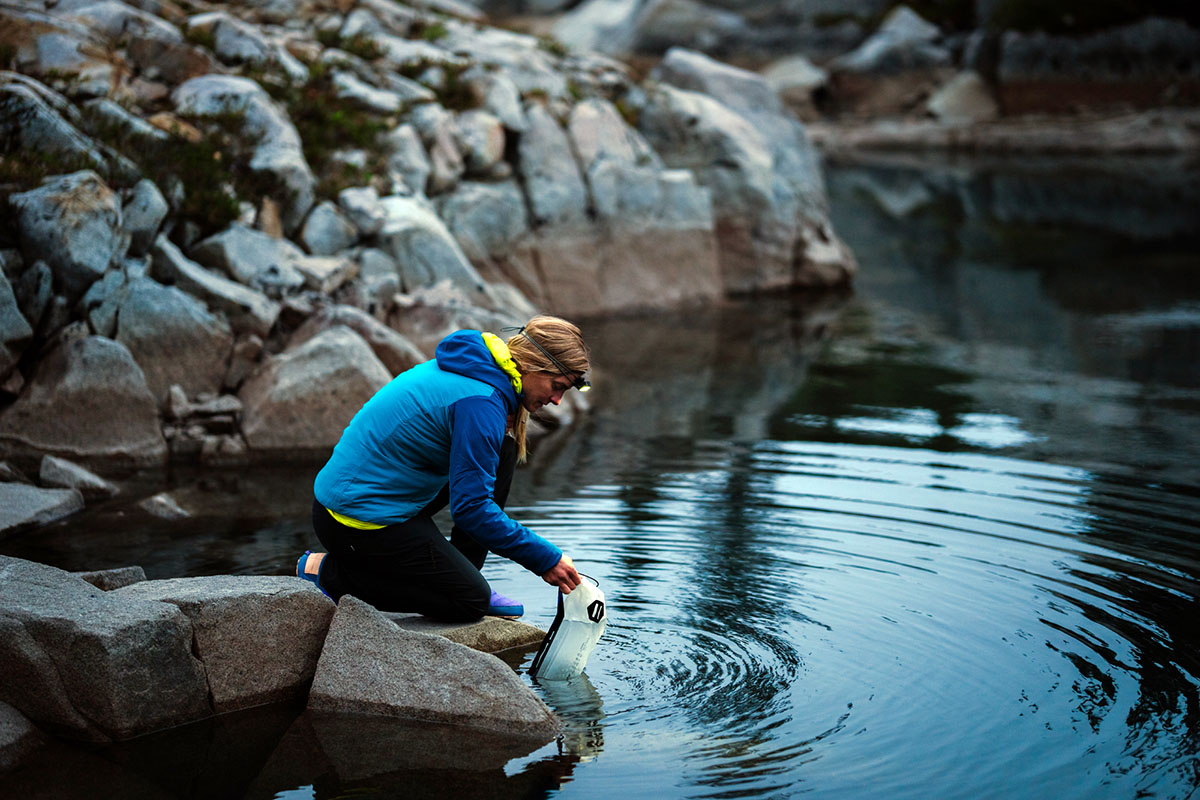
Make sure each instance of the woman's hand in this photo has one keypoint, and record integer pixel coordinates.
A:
(563, 575)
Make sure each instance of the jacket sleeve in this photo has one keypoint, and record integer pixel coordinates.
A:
(477, 431)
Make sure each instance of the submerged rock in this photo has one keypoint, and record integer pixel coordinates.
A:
(59, 473)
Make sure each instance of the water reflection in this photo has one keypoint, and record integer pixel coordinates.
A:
(934, 539)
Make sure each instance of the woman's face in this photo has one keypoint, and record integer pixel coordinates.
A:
(543, 388)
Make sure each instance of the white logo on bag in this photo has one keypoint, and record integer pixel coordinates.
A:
(595, 611)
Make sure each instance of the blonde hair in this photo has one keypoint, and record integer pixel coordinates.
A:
(563, 341)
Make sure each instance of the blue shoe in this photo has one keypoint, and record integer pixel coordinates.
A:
(309, 568)
(501, 606)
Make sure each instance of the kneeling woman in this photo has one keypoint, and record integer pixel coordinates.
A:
(449, 431)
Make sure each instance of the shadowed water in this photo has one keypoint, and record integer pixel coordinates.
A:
(935, 539)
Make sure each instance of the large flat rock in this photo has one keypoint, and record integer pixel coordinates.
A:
(488, 635)
(258, 636)
(87, 664)
(372, 666)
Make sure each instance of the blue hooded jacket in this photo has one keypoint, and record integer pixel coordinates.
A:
(440, 422)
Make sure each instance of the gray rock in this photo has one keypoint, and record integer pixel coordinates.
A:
(348, 86)
(326, 274)
(603, 25)
(521, 57)
(738, 89)
(903, 41)
(15, 331)
(102, 300)
(401, 54)
(424, 250)
(88, 399)
(119, 22)
(173, 338)
(103, 114)
(428, 315)
(371, 666)
(550, 173)
(795, 74)
(258, 637)
(598, 131)
(488, 635)
(486, 219)
(247, 351)
(965, 99)
(361, 206)
(172, 62)
(437, 129)
(278, 152)
(767, 190)
(393, 350)
(33, 291)
(164, 506)
(142, 215)
(660, 24)
(33, 124)
(288, 402)
(18, 737)
(22, 505)
(481, 140)
(109, 579)
(623, 171)
(86, 664)
(74, 223)
(58, 473)
(252, 258)
(234, 41)
(248, 310)
(407, 161)
(327, 230)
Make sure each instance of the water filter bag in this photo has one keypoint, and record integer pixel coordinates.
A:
(578, 625)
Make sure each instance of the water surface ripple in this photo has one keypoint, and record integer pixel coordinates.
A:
(855, 621)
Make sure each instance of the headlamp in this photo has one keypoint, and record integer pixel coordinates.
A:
(581, 383)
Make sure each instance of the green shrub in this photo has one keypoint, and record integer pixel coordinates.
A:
(553, 46)
(429, 31)
(327, 123)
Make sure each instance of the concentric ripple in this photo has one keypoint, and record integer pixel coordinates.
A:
(860, 621)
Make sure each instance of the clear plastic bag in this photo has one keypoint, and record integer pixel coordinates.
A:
(578, 625)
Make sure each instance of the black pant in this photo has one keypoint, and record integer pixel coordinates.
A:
(410, 566)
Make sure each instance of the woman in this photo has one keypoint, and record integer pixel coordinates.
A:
(449, 431)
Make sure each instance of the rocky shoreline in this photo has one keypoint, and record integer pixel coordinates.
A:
(227, 226)
(109, 656)
(218, 213)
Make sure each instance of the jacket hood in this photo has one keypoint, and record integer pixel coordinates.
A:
(465, 353)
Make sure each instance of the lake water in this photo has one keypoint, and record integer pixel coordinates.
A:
(935, 539)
